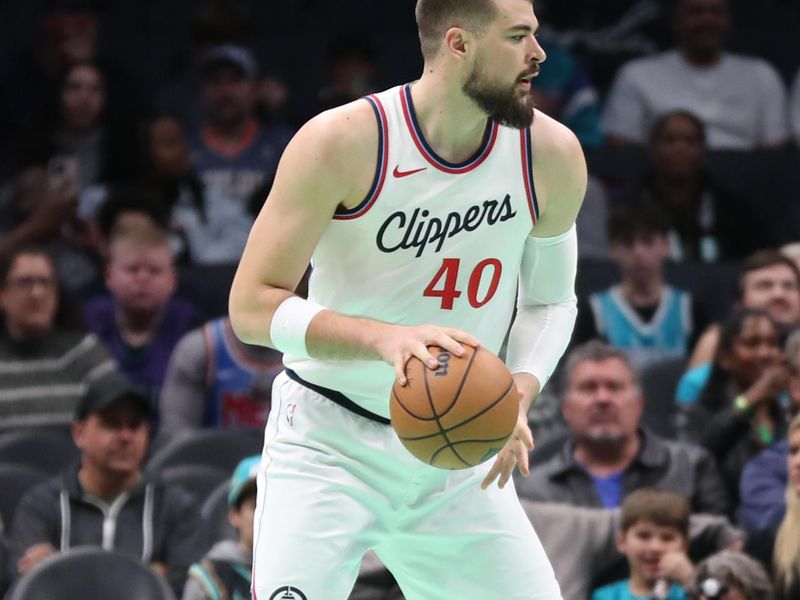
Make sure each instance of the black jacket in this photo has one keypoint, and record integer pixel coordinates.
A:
(685, 469)
(152, 521)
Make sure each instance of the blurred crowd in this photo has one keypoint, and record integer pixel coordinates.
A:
(667, 461)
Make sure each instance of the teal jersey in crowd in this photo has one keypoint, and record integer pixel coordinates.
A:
(620, 591)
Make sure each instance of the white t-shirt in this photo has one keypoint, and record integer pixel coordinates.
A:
(795, 107)
(741, 100)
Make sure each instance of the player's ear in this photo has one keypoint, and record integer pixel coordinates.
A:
(456, 41)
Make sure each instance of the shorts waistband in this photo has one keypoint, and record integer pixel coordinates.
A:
(338, 398)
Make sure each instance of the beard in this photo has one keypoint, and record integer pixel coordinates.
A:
(502, 104)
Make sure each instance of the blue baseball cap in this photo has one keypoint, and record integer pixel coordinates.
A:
(243, 478)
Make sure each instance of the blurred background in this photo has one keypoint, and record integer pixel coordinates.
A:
(139, 139)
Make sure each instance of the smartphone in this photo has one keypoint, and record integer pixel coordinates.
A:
(62, 172)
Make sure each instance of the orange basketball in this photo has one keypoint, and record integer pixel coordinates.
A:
(459, 415)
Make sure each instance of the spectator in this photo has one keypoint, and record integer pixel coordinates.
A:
(42, 211)
(211, 23)
(702, 218)
(233, 151)
(730, 575)
(642, 315)
(763, 489)
(213, 226)
(740, 410)
(608, 455)
(44, 365)
(80, 134)
(604, 35)
(225, 572)
(141, 321)
(764, 478)
(775, 544)
(768, 281)
(786, 557)
(351, 64)
(127, 207)
(205, 227)
(215, 380)
(654, 537)
(108, 500)
(741, 100)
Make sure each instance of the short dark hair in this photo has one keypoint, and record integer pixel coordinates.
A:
(435, 17)
(636, 219)
(135, 198)
(657, 130)
(665, 509)
(8, 260)
(763, 259)
(249, 490)
(594, 351)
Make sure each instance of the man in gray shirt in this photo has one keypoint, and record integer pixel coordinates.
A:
(107, 500)
(608, 455)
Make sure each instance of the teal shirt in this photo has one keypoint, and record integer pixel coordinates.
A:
(620, 591)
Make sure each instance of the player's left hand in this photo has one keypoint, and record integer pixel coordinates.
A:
(515, 452)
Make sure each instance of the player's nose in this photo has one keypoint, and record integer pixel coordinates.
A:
(538, 54)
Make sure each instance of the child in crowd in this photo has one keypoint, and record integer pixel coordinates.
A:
(642, 315)
(225, 571)
(654, 529)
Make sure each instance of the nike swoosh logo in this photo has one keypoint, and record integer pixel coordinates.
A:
(400, 174)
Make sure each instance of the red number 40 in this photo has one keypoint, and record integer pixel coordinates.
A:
(449, 273)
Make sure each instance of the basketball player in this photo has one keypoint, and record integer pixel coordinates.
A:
(421, 208)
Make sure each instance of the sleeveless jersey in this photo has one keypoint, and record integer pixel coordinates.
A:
(239, 388)
(433, 242)
(666, 335)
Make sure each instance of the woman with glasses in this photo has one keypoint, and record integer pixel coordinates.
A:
(44, 368)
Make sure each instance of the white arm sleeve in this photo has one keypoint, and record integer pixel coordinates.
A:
(546, 305)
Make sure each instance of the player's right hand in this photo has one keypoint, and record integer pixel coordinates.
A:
(399, 343)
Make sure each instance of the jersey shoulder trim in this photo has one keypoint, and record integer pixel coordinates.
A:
(381, 169)
(526, 152)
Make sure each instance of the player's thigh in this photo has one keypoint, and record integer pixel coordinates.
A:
(483, 546)
(303, 543)
(314, 513)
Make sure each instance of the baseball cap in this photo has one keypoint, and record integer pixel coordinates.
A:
(232, 55)
(108, 389)
(244, 476)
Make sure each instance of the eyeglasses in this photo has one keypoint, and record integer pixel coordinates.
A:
(26, 284)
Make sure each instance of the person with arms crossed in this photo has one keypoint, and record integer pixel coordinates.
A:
(426, 249)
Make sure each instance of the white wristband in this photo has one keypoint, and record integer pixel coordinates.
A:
(290, 323)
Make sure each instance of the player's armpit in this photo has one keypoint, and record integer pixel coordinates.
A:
(317, 173)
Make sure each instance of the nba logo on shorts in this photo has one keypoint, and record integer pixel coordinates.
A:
(287, 593)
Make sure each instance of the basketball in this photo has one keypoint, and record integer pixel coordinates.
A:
(460, 414)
